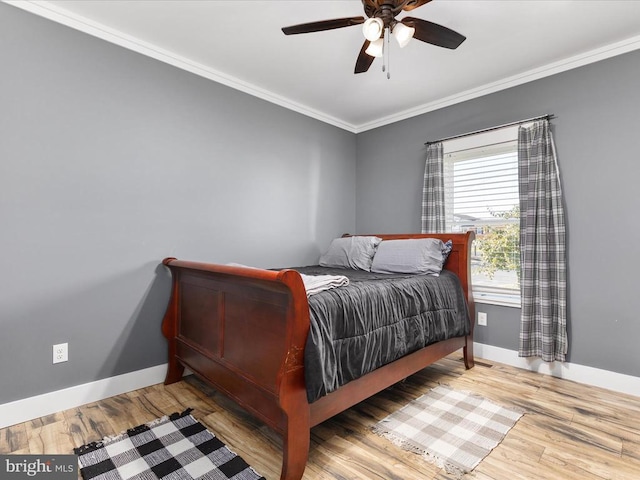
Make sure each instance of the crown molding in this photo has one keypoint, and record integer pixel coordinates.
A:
(54, 13)
(566, 64)
(51, 12)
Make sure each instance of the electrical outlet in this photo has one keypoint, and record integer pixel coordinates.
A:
(482, 319)
(60, 353)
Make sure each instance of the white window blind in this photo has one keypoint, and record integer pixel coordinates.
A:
(481, 194)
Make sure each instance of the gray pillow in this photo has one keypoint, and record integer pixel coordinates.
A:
(415, 255)
(351, 252)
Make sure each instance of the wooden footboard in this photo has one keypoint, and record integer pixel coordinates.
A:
(243, 330)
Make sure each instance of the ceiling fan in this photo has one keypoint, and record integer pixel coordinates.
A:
(381, 22)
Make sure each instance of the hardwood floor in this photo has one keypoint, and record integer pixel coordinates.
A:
(570, 431)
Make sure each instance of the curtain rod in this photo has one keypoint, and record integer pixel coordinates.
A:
(548, 116)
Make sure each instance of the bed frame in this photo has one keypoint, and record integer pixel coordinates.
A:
(243, 331)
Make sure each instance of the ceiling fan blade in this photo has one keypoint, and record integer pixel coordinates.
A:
(414, 4)
(364, 60)
(322, 25)
(433, 33)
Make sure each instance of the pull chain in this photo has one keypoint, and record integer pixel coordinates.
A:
(385, 53)
(387, 37)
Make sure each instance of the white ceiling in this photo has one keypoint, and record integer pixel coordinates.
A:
(239, 43)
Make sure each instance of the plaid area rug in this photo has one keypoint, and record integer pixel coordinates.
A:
(176, 447)
(453, 429)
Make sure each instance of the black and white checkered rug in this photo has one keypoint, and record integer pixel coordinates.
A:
(177, 447)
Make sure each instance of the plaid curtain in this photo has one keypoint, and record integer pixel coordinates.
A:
(433, 190)
(543, 330)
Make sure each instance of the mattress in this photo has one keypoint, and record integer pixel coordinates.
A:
(375, 320)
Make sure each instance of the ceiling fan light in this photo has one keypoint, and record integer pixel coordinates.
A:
(403, 34)
(373, 29)
(375, 48)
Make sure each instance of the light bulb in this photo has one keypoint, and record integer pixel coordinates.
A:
(372, 29)
(403, 34)
(375, 48)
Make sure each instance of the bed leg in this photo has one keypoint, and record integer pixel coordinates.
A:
(467, 351)
(295, 450)
(175, 371)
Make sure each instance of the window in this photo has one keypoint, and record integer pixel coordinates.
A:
(481, 194)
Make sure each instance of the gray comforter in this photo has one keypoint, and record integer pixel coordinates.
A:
(375, 320)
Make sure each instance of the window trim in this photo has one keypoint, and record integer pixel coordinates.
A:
(490, 140)
(491, 297)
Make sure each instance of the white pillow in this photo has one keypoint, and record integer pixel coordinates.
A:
(414, 255)
(351, 252)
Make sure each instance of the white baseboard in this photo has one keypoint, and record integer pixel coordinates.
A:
(597, 377)
(48, 403)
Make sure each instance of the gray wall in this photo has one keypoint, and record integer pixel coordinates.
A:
(110, 161)
(596, 134)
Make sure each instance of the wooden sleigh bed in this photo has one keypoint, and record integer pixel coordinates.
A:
(243, 331)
